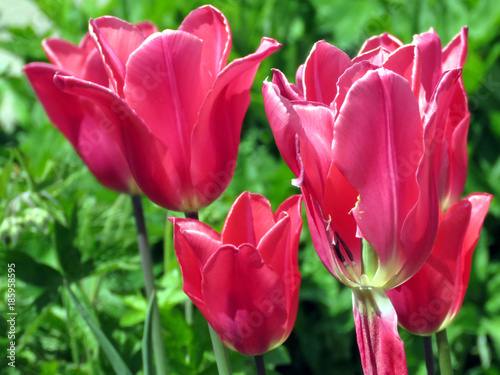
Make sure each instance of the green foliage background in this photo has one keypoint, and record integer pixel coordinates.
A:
(63, 230)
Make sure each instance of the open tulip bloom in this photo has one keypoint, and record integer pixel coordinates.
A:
(166, 102)
(376, 142)
(246, 280)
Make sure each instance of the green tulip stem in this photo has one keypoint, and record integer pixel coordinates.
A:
(168, 245)
(221, 357)
(259, 364)
(188, 307)
(147, 271)
(444, 353)
(429, 355)
(192, 215)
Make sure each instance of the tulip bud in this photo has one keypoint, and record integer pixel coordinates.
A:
(246, 280)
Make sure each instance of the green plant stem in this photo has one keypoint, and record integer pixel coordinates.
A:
(223, 364)
(444, 353)
(188, 312)
(429, 355)
(259, 364)
(168, 246)
(188, 307)
(220, 352)
(147, 271)
(192, 215)
(75, 352)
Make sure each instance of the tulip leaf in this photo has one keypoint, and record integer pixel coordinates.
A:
(69, 255)
(109, 350)
(147, 347)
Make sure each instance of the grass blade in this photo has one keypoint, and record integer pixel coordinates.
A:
(109, 350)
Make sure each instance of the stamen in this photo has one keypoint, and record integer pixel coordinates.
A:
(336, 246)
(350, 266)
(344, 245)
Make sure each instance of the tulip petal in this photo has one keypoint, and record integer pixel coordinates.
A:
(147, 28)
(378, 129)
(287, 90)
(430, 300)
(64, 116)
(164, 86)
(385, 40)
(285, 124)
(439, 122)
(340, 197)
(351, 75)
(317, 229)
(376, 56)
(312, 124)
(216, 135)
(423, 301)
(189, 264)
(66, 55)
(457, 173)
(430, 55)
(322, 69)
(455, 53)
(154, 172)
(249, 219)
(202, 239)
(212, 27)
(93, 69)
(418, 231)
(403, 61)
(480, 204)
(275, 244)
(321, 236)
(380, 347)
(315, 138)
(454, 152)
(279, 249)
(250, 316)
(299, 78)
(93, 134)
(293, 207)
(116, 40)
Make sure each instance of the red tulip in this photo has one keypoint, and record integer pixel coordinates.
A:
(246, 280)
(368, 141)
(94, 134)
(429, 301)
(180, 107)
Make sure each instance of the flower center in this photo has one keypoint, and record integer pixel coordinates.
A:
(350, 264)
(369, 263)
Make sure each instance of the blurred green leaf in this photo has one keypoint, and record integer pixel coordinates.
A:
(70, 257)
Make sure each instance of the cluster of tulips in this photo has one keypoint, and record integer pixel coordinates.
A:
(377, 144)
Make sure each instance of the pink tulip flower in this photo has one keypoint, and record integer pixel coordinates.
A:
(178, 107)
(94, 134)
(363, 136)
(246, 280)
